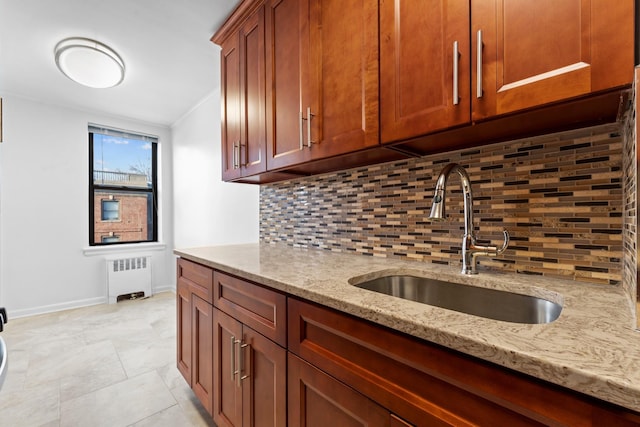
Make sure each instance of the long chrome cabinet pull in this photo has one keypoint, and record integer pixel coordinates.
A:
(244, 347)
(309, 117)
(479, 66)
(302, 119)
(233, 358)
(456, 55)
(236, 155)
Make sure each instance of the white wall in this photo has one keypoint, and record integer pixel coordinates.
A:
(44, 209)
(208, 211)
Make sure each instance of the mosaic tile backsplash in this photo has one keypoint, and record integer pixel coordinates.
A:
(559, 196)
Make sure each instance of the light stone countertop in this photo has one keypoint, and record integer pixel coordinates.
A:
(593, 347)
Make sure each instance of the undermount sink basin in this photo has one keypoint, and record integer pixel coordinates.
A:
(483, 302)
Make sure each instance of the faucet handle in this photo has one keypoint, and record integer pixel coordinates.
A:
(505, 244)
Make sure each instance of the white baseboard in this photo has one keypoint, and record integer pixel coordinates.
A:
(14, 314)
(168, 288)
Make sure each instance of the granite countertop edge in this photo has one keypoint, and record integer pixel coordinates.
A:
(589, 348)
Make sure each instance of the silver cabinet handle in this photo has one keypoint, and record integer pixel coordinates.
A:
(309, 117)
(246, 155)
(456, 55)
(244, 347)
(479, 66)
(233, 358)
(236, 155)
(302, 119)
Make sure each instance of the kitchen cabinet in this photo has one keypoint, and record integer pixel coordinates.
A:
(425, 384)
(243, 95)
(249, 367)
(523, 55)
(195, 329)
(318, 400)
(322, 69)
(424, 67)
(262, 357)
(527, 54)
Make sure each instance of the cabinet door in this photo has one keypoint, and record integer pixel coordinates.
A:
(243, 91)
(424, 85)
(537, 52)
(184, 331)
(252, 155)
(340, 76)
(227, 401)
(202, 367)
(318, 400)
(230, 91)
(284, 132)
(264, 381)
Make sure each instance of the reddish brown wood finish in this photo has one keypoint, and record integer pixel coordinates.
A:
(197, 277)
(263, 310)
(424, 383)
(202, 350)
(230, 92)
(283, 47)
(264, 389)
(184, 330)
(535, 53)
(416, 67)
(322, 56)
(243, 91)
(340, 75)
(256, 394)
(195, 329)
(253, 156)
(227, 402)
(318, 400)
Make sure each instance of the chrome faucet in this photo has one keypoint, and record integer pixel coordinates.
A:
(470, 248)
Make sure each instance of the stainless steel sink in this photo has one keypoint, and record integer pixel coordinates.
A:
(483, 302)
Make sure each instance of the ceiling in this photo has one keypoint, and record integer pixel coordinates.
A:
(170, 63)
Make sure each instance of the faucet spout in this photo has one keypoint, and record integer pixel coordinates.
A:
(470, 248)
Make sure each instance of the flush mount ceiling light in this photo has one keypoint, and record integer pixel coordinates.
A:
(89, 62)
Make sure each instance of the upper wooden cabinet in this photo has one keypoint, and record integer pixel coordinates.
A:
(531, 53)
(311, 86)
(523, 55)
(322, 71)
(243, 90)
(424, 67)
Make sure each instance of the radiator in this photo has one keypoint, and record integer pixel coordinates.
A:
(128, 276)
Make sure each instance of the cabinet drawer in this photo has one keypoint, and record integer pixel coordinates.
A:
(262, 309)
(198, 277)
(428, 384)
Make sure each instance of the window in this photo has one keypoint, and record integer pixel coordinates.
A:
(123, 205)
(110, 210)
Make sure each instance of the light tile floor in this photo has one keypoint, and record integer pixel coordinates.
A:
(105, 365)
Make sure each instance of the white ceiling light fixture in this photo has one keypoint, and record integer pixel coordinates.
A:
(89, 62)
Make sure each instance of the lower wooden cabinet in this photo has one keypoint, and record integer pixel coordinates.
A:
(250, 374)
(259, 358)
(195, 343)
(426, 384)
(318, 400)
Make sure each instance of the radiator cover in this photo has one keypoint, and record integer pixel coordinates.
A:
(128, 275)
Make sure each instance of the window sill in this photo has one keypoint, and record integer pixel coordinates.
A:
(123, 248)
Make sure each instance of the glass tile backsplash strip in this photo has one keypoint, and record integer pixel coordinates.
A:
(559, 195)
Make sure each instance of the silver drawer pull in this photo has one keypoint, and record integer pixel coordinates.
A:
(456, 56)
(309, 117)
(479, 66)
